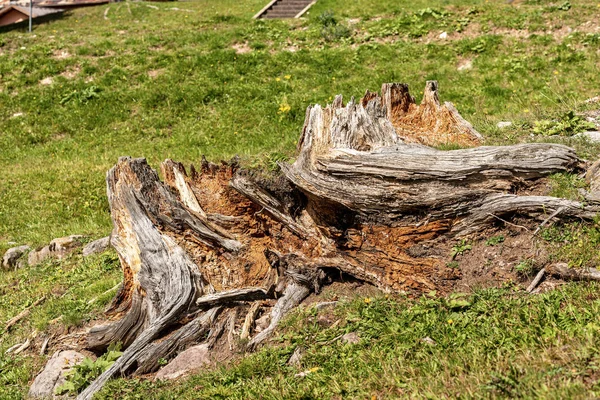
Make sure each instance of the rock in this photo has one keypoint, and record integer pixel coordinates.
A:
(351, 338)
(58, 248)
(465, 65)
(262, 323)
(12, 256)
(592, 136)
(443, 35)
(428, 340)
(504, 124)
(296, 357)
(325, 304)
(53, 375)
(97, 246)
(592, 100)
(191, 359)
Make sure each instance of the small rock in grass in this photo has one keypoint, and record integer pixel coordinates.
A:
(296, 357)
(465, 65)
(592, 136)
(53, 375)
(12, 257)
(325, 304)
(351, 338)
(428, 340)
(97, 246)
(443, 35)
(191, 359)
(504, 124)
(58, 248)
(262, 323)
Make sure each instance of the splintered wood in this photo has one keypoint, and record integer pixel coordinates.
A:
(204, 250)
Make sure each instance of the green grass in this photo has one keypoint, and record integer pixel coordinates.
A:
(493, 344)
(165, 83)
(162, 83)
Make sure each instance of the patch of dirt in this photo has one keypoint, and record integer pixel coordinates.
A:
(47, 81)
(71, 72)
(464, 64)
(60, 54)
(487, 265)
(155, 73)
(242, 48)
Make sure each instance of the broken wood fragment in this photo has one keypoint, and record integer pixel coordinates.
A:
(562, 270)
(23, 314)
(536, 281)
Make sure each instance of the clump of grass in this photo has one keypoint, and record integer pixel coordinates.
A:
(331, 29)
(85, 373)
(493, 343)
(567, 186)
(576, 244)
(567, 124)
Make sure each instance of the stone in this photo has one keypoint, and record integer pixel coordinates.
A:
(53, 375)
(189, 360)
(595, 99)
(12, 257)
(504, 124)
(58, 248)
(296, 358)
(262, 323)
(351, 338)
(592, 136)
(443, 35)
(465, 65)
(428, 340)
(97, 246)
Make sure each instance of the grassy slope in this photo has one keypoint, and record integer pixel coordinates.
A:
(493, 344)
(167, 83)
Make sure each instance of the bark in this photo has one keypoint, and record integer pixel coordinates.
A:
(364, 189)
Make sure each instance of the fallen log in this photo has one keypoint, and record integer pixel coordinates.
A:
(363, 190)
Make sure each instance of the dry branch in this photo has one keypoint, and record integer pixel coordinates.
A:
(23, 314)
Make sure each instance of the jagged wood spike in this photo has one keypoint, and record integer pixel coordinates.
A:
(364, 188)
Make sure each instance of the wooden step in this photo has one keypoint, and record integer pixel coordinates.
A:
(284, 9)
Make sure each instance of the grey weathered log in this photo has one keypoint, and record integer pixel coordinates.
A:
(292, 296)
(562, 270)
(148, 360)
(230, 296)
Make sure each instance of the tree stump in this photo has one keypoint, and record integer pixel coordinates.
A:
(211, 246)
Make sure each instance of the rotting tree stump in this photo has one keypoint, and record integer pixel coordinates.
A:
(203, 250)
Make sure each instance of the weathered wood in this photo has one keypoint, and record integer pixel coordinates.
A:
(536, 281)
(23, 314)
(562, 270)
(364, 190)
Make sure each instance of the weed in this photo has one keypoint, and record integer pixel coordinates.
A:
(567, 186)
(567, 124)
(460, 248)
(525, 268)
(83, 374)
(331, 29)
(495, 240)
